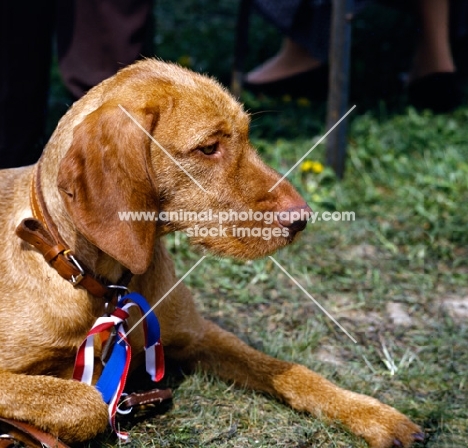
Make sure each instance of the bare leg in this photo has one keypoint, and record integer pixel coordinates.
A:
(290, 60)
(433, 52)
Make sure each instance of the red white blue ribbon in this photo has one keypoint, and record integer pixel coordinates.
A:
(154, 353)
(114, 374)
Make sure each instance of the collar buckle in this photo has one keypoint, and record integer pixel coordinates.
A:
(75, 280)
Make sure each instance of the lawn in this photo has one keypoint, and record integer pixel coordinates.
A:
(396, 278)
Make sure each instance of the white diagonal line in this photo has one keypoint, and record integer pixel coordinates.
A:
(313, 300)
(311, 149)
(165, 295)
(161, 147)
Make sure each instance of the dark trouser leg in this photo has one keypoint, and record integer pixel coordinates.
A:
(25, 54)
(97, 38)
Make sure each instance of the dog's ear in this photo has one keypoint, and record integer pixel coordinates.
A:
(107, 171)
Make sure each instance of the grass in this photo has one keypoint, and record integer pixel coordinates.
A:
(407, 182)
(391, 278)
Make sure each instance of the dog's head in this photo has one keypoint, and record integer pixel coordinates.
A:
(174, 145)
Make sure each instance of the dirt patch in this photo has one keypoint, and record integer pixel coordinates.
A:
(457, 308)
(398, 314)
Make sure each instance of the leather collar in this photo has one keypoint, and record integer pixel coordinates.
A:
(42, 233)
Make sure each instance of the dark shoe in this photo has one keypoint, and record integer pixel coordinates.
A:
(312, 84)
(440, 92)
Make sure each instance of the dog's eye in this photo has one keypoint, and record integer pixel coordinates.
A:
(209, 149)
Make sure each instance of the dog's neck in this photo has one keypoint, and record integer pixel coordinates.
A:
(59, 143)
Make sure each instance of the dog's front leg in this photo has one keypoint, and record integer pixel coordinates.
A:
(220, 352)
(67, 409)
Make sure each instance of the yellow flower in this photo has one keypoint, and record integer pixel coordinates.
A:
(306, 166)
(317, 168)
(311, 166)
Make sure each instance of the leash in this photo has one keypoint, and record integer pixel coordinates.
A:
(13, 433)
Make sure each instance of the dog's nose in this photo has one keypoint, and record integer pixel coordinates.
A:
(295, 218)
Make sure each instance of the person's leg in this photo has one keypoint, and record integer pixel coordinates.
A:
(305, 26)
(25, 54)
(96, 39)
(433, 53)
(299, 68)
(433, 81)
(290, 60)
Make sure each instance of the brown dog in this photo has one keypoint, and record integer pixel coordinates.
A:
(99, 163)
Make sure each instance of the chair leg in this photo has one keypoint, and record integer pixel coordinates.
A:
(340, 48)
(241, 46)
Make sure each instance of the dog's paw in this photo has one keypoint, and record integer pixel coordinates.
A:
(69, 410)
(382, 426)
